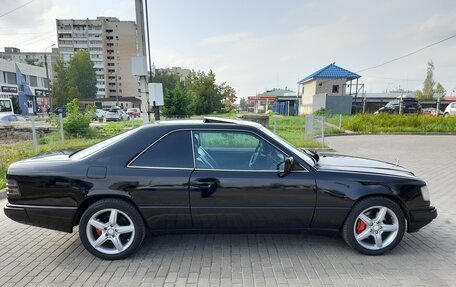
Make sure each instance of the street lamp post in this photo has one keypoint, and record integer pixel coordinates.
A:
(47, 73)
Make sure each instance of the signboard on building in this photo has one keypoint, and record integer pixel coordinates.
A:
(262, 98)
(7, 89)
(39, 92)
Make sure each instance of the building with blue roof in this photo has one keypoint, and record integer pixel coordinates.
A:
(329, 88)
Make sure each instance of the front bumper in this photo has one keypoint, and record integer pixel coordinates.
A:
(51, 217)
(421, 217)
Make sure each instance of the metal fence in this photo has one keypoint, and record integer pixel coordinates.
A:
(320, 126)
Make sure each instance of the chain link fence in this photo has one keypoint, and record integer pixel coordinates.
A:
(319, 126)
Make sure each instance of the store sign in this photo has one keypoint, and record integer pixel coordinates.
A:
(7, 89)
(39, 92)
(261, 98)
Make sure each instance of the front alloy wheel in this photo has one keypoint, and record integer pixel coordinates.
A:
(111, 229)
(374, 226)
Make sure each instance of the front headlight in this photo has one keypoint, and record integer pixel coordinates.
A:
(425, 193)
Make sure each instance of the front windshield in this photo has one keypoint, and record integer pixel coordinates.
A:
(302, 155)
(102, 145)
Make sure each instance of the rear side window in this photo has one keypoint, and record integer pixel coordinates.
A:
(172, 151)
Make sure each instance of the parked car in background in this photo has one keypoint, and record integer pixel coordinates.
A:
(409, 105)
(135, 112)
(116, 114)
(450, 110)
(60, 110)
(6, 107)
(11, 119)
(99, 114)
(214, 175)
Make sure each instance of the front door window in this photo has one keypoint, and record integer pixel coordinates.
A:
(231, 150)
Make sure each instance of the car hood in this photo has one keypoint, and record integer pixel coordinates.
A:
(357, 164)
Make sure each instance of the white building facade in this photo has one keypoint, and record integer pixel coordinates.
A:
(32, 58)
(34, 76)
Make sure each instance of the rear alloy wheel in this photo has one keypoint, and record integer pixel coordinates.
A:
(111, 229)
(374, 226)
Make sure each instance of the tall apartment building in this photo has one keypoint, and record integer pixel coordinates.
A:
(32, 58)
(111, 43)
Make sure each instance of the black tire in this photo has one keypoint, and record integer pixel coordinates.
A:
(349, 228)
(123, 207)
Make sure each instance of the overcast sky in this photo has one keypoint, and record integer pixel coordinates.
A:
(259, 45)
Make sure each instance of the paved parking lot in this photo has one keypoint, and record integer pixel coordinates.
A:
(33, 256)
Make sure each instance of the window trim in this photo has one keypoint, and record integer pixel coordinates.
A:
(161, 167)
(259, 137)
(129, 165)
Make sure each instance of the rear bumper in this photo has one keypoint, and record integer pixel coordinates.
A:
(421, 217)
(51, 217)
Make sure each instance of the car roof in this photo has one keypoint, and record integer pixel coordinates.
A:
(208, 121)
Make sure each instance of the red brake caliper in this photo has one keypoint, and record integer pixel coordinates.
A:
(360, 226)
(99, 232)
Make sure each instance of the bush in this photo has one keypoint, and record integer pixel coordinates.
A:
(76, 122)
(398, 123)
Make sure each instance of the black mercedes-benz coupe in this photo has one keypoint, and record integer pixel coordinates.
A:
(213, 175)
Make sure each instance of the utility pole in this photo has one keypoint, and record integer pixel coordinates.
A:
(151, 71)
(47, 74)
(142, 52)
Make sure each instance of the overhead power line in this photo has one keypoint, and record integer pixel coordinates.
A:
(17, 8)
(409, 54)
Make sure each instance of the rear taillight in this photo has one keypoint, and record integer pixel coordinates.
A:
(12, 188)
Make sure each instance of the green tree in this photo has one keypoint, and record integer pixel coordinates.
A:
(81, 75)
(430, 87)
(60, 85)
(229, 97)
(243, 104)
(77, 122)
(177, 102)
(206, 95)
(440, 90)
(77, 80)
(168, 80)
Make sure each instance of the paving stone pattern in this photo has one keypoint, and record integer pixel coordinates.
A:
(31, 256)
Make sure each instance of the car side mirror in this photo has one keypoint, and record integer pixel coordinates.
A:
(288, 166)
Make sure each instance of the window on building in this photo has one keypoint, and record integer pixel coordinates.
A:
(33, 81)
(173, 151)
(11, 78)
(335, 89)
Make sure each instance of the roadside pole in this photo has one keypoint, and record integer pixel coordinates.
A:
(35, 143)
(61, 127)
(145, 108)
(322, 131)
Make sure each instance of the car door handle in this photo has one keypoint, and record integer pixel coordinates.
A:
(207, 189)
(205, 185)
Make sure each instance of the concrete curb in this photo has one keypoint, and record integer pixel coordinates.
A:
(391, 134)
(3, 193)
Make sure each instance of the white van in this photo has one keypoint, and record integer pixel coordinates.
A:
(6, 107)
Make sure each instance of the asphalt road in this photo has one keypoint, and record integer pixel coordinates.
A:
(33, 256)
